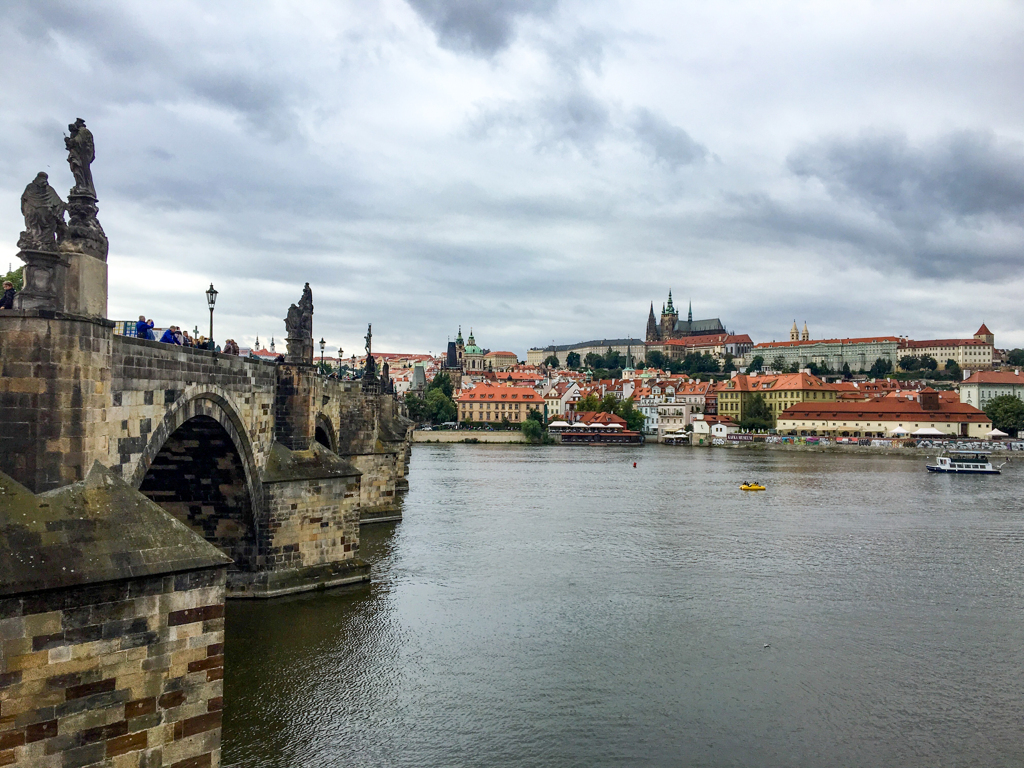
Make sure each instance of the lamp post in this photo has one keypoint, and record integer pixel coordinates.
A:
(322, 345)
(211, 299)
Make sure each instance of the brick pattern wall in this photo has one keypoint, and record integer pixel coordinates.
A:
(294, 409)
(150, 380)
(54, 391)
(123, 674)
(311, 522)
(198, 477)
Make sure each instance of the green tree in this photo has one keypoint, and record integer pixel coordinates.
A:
(417, 408)
(536, 415)
(756, 364)
(657, 359)
(728, 367)
(759, 414)
(1015, 357)
(551, 361)
(440, 406)
(443, 382)
(847, 373)
(16, 276)
(613, 359)
(588, 403)
(634, 418)
(928, 363)
(880, 368)
(910, 362)
(593, 360)
(532, 431)
(778, 363)
(953, 369)
(1006, 413)
(572, 360)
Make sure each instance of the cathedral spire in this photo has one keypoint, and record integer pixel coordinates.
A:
(652, 325)
(670, 307)
(689, 313)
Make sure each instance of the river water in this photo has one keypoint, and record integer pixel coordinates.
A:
(552, 606)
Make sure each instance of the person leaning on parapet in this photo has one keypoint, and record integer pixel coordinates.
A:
(144, 328)
(169, 336)
(7, 302)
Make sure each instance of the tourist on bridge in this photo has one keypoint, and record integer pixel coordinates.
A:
(231, 348)
(144, 328)
(170, 337)
(7, 302)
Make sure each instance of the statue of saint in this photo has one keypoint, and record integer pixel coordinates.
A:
(293, 323)
(44, 216)
(81, 153)
(306, 308)
(369, 337)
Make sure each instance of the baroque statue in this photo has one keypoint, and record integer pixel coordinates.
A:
(81, 153)
(299, 329)
(44, 216)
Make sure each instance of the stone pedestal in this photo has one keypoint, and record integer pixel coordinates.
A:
(85, 286)
(45, 280)
(85, 247)
(300, 350)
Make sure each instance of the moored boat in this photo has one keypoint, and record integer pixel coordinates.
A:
(964, 462)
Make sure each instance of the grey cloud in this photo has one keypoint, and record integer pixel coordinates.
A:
(481, 27)
(665, 142)
(573, 119)
(962, 174)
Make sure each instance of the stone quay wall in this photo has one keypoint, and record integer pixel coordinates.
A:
(126, 674)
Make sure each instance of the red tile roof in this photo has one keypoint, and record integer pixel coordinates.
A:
(908, 344)
(995, 377)
(866, 340)
(885, 409)
(983, 331)
(491, 392)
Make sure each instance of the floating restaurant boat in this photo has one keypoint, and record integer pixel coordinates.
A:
(966, 462)
(597, 436)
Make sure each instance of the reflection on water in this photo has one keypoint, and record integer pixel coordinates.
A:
(557, 607)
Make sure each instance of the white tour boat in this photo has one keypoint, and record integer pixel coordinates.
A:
(968, 462)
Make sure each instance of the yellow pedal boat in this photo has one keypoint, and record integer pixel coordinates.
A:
(752, 487)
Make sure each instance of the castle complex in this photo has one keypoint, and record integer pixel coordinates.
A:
(671, 327)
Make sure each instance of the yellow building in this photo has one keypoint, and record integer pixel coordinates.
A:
(779, 392)
(492, 404)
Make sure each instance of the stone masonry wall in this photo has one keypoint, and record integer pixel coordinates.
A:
(312, 522)
(150, 379)
(120, 674)
(54, 391)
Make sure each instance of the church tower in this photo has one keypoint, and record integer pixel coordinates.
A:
(794, 334)
(805, 336)
(652, 326)
(669, 318)
(460, 348)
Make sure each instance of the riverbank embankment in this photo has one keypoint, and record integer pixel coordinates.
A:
(465, 436)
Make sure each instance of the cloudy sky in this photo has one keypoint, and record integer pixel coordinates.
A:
(540, 170)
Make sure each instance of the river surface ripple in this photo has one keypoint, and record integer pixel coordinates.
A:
(554, 606)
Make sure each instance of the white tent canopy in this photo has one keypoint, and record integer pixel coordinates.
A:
(613, 426)
(899, 431)
(559, 424)
(928, 432)
(997, 433)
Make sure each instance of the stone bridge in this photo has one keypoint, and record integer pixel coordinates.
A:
(273, 463)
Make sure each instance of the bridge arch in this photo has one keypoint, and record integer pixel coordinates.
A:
(325, 433)
(200, 466)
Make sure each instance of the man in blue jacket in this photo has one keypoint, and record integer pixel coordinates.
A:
(143, 328)
(169, 337)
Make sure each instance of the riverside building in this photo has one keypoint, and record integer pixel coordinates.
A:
(493, 404)
(885, 417)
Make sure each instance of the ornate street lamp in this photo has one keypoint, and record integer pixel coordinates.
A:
(211, 299)
(322, 345)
